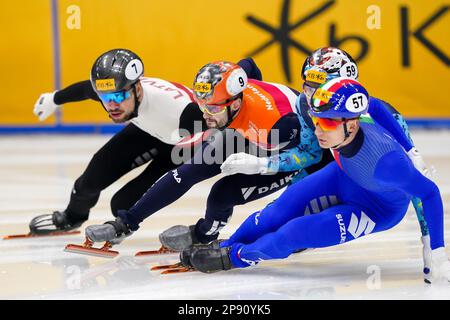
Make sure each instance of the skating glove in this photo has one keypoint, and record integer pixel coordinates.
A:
(45, 106)
(440, 266)
(244, 163)
(426, 251)
(420, 164)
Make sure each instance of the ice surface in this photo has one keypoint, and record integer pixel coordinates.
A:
(37, 173)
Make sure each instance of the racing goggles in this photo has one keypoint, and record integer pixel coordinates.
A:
(309, 89)
(326, 124)
(215, 109)
(117, 97)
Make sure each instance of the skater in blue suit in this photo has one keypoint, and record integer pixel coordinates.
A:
(366, 190)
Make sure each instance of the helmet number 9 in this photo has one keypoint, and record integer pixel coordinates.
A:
(236, 82)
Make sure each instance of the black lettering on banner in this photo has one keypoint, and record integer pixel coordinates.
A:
(418, 34)
(281, 34)
(335, 42)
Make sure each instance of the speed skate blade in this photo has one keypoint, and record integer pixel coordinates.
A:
(177, 270)
(97, 252)
(31, 235)
(162, 250)
(166, 266)
(172, 268)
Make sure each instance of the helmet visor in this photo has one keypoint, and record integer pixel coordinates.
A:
(117, 97)
(215, 109)
(326, 124)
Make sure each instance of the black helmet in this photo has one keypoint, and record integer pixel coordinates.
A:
(116, 70)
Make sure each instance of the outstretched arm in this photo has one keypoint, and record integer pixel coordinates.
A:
(388, 117)
(78, 91)
(305, 150)
(395, 170)
(47, 103)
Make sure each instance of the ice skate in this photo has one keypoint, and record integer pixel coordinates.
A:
(183, 266)
(172, 268)
(209, 260)
(111, 233)
(178, 238)
(162, 250)
(55, 224)
(88, 249)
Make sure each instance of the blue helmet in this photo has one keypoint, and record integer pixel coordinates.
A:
(328, 63)
(340, 98)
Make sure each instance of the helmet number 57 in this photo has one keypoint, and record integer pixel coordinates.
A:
(357, 102)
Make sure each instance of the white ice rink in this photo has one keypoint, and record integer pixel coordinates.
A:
(36, 176)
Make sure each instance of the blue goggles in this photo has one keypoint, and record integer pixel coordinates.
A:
(117, 97)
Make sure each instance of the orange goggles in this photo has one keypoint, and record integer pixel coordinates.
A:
(326, 124)
(214, 109)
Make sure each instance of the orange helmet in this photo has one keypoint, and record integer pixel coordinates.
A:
(219, 81)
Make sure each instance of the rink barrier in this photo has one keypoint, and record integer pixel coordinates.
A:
(415, 123)
(62, 129)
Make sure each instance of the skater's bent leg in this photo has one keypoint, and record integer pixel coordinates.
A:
(116, 158)
(129, 194)
(231, 191)
(311, 195)
(335, 225)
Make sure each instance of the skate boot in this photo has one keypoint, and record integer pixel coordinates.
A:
(185, 255)
(178, 238)
(51, 223)
(185, 264)
(56, 224)
(209, 260)
(111, 232)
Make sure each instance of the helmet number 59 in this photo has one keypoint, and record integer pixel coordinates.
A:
(351, 70)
